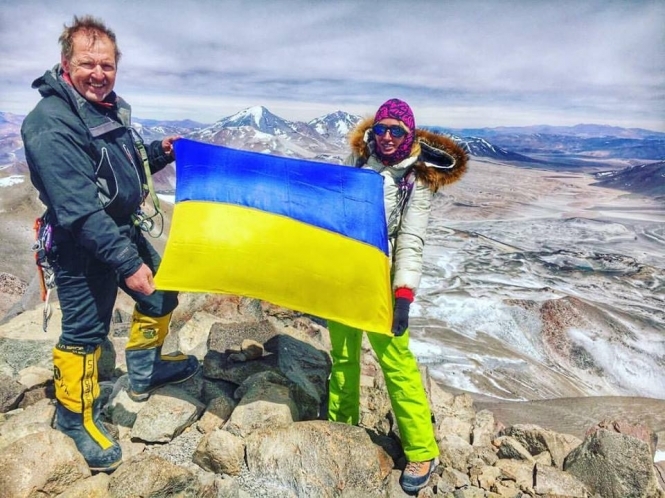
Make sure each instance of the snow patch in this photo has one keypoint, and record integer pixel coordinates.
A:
(11, 180)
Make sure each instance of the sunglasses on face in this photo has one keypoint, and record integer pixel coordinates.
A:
(396, 131)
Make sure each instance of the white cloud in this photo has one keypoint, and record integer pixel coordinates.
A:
(479, 63)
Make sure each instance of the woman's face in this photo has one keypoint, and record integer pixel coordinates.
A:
(386, 143)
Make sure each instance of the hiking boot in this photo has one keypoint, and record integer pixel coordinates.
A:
(78, 407)
(416, 475)
(147, 368)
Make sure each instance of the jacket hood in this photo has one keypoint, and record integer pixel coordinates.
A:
(441, 160)
(49, 83)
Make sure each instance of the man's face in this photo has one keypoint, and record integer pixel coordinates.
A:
(92, 67)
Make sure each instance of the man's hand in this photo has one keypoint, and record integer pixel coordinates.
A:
(141, 280)
(401, 316)
(167, 144)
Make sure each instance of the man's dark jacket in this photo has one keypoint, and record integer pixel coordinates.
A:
(84, 163)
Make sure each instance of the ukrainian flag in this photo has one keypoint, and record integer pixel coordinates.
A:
(305, 235)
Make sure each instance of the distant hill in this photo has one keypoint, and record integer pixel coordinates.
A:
(645, 179)
(585, 147)
(183, 123)
(580, 130)
(480, 147)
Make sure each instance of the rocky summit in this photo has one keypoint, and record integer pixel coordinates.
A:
(252, 423)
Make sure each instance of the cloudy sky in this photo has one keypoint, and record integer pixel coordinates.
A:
(459, 63)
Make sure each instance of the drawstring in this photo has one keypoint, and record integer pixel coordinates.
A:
(404, 189)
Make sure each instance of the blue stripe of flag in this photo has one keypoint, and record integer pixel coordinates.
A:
(344, 200)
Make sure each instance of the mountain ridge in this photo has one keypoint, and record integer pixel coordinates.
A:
(583, 147)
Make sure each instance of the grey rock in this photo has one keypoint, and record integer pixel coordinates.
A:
(220, 366)
(216, 414)
(318, 458)
(264, 405)
(267, 376)
(553, 481)
(282, 385)
(452, 425)
(484, 476)
(509, 447)
(22, 353)
(452, 479)
(192, 337)
(96, 486)
(45, 462)
(483, 428)
(469, 492)
(517, 470)
(251, 349)
(454, 452)
(11, 392)
(211, 389)
(614, 465)
(536, 440)
(35, 376)
(151, 475)
(121, 409)
(304, 365)
(35, 418)
(227, 337)
(221, 452)
(180, 450)
(166, 414)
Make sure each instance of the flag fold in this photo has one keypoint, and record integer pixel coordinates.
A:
(305, 235)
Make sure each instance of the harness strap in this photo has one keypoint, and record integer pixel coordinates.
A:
(142, 220)
(404, 190)
(45, 274)
(148, 175)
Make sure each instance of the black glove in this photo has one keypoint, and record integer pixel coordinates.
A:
(401, 316)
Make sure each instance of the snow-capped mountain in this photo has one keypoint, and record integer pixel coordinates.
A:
(261, 119)
(258, 129)
(335, 127)
(480, 147)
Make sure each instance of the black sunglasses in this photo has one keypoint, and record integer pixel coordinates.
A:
(396, 131)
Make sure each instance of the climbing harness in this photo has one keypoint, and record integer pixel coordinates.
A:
(140, 218)
(46, 276)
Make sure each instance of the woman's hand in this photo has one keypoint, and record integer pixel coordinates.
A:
(401, 316)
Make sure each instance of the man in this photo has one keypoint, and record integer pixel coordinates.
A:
(89, 172)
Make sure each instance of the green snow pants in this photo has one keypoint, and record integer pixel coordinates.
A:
(405, 387)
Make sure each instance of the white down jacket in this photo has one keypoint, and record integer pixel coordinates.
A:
(408, 188)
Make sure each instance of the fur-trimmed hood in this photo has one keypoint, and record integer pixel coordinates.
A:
(441, 161)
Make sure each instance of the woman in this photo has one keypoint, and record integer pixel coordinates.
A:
(414, 164)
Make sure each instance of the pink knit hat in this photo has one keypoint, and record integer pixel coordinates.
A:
(396, 109)
(400, 110)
